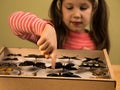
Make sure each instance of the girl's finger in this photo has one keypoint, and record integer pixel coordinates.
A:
(47, 56)
(53, 61)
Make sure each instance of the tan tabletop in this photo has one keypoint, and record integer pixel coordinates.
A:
(116, 69)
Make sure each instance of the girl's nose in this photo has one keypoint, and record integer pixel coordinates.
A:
(77, 14)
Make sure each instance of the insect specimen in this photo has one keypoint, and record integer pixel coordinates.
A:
(93, 62)
(10, 59)
(63, 74)
(31, 63)
(68, 57)
(35, 56)
(9, 69)
(14, 54)
(96, 66)
(68, 66)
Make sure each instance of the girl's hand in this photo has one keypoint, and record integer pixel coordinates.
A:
(48, 44)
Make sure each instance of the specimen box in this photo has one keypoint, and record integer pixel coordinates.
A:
(77, 70)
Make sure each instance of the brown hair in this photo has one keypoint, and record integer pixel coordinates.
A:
(98, 25)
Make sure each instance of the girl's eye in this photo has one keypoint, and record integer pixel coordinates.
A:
(69, 8)
(83, 8)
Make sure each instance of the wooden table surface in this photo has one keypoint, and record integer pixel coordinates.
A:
(116, 70)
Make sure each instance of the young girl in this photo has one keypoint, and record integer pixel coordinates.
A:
(67, 27)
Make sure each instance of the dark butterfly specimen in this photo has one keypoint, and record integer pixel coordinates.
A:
(93, 62)
(10, 59)
(14, 54)
(63, 74)
(31, 63)
(27, 63)
(35, 56)
(68, 57)
(8, 65)
(40, 65)
(68, 66)
(97, 67)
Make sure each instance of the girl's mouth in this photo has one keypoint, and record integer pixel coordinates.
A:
(77, 23)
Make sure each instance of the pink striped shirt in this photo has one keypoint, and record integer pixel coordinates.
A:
(79, 41)
(28, 26)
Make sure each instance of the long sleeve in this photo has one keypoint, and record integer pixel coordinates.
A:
(26, 25)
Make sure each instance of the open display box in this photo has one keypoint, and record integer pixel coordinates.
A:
(87, 69)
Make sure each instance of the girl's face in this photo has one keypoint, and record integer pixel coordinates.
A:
(76, 14)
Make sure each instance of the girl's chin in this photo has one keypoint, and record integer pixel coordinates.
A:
(77, 30)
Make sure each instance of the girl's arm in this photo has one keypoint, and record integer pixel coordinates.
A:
(27, 25)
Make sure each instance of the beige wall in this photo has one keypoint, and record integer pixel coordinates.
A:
(40, 8)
